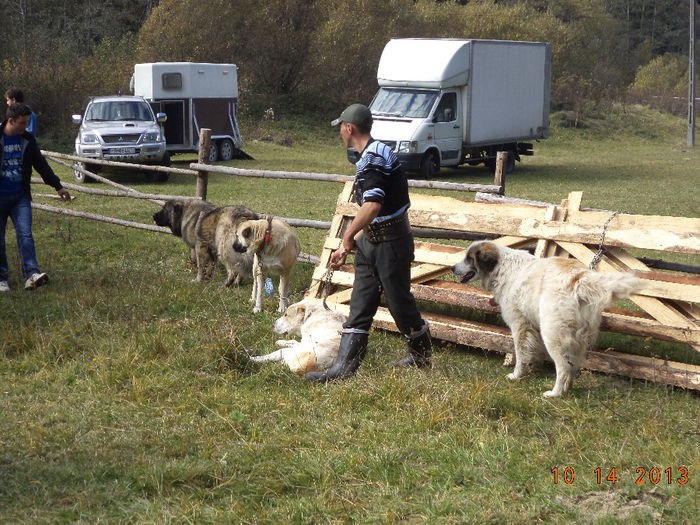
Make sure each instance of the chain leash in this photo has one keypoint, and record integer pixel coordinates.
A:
(326, 281)
(599, 254)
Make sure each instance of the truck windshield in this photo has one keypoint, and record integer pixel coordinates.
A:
(121, 110)
(413, 103)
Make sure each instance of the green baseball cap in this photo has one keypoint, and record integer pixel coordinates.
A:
(354, 114)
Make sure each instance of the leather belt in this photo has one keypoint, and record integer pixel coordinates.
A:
(388, 230)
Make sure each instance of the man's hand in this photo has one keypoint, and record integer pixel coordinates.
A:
(338, 258)
(63, 193)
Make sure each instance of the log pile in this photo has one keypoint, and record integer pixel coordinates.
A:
(667, 303)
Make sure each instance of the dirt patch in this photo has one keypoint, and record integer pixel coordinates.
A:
(596, 505)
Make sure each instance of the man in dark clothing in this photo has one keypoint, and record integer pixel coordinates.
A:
(381, 236)
(20, 154)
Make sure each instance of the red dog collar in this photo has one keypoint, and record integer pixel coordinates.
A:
(269, 229)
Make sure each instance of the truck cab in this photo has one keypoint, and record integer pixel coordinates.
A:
(416, 122)
(447, 102)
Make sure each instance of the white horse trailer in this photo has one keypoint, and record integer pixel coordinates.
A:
(194, 96)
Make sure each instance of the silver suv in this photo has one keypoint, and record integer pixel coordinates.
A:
(122, 129)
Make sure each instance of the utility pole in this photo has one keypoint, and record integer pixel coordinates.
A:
(691, 75)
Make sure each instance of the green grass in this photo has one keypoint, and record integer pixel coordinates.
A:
(126, 395)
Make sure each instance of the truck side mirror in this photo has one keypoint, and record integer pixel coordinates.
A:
(77, 119)
(161, 118)
(449, 115)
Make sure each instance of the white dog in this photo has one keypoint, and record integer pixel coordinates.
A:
(319, 330)
(552, 304)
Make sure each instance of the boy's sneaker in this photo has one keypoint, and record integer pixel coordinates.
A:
(4, 286)
(35, 280)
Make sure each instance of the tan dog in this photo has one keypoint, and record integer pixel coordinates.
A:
(210, 233)
(275, 248)
(551, 305)
(319, 330)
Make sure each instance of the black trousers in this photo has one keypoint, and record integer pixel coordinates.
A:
(385, 266)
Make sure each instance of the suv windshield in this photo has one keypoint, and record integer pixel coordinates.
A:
(119, 110)
(412, 103)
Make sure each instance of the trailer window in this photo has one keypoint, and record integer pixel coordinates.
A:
(172, 81)
(413, 103)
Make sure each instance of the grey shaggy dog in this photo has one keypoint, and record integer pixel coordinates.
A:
(210, 232)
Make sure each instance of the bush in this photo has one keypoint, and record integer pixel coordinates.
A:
(663, 83)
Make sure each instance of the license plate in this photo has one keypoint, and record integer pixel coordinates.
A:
(121, 151)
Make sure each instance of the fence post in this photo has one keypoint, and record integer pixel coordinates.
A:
(203, 158)
(500, 177)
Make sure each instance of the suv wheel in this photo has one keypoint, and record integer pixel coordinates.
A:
(79, 176)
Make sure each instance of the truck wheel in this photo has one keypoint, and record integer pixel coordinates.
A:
(510, 163)
(430, 165)
(213, 152)
(226, 149)
(79, 176)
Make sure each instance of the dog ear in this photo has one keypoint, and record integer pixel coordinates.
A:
(486, 257)
(176, 213)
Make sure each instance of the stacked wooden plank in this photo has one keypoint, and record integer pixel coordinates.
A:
(667, 302)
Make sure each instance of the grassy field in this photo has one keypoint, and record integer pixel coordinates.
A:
(126, 395)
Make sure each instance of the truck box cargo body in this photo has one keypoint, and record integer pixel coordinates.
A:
(193, 96)
(446, 102)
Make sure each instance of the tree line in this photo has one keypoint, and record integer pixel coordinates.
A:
(317, 55)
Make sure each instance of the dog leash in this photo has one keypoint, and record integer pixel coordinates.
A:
(599, 254)
(326, 283)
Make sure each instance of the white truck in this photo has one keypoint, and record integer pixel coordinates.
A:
(193, 96)
(448, 102)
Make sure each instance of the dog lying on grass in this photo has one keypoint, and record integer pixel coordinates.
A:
(551, 305)
(275, 248)
(210, 232)
(319, 330)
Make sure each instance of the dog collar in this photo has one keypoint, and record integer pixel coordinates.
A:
(269, 229)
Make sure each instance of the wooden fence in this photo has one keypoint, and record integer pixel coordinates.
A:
(200, 170)
(669, 312)
(667, 299)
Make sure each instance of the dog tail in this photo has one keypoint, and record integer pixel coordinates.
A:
(602, 288)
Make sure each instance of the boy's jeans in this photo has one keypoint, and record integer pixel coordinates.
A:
(18, 207)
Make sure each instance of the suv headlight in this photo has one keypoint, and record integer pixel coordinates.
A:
(406, 146)
(88, 138)
(151, 136)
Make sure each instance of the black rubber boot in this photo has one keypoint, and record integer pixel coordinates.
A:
(419, 350)
(351, 352)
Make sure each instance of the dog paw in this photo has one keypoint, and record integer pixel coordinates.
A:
(550, 393)
(257, 310)
(512, 376)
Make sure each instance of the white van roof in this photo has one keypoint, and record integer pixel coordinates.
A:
(424, 62)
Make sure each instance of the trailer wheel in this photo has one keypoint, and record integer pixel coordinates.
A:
(430, 165)
(213, 152)
(79, 176)
(226, 149)
(510, 163)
